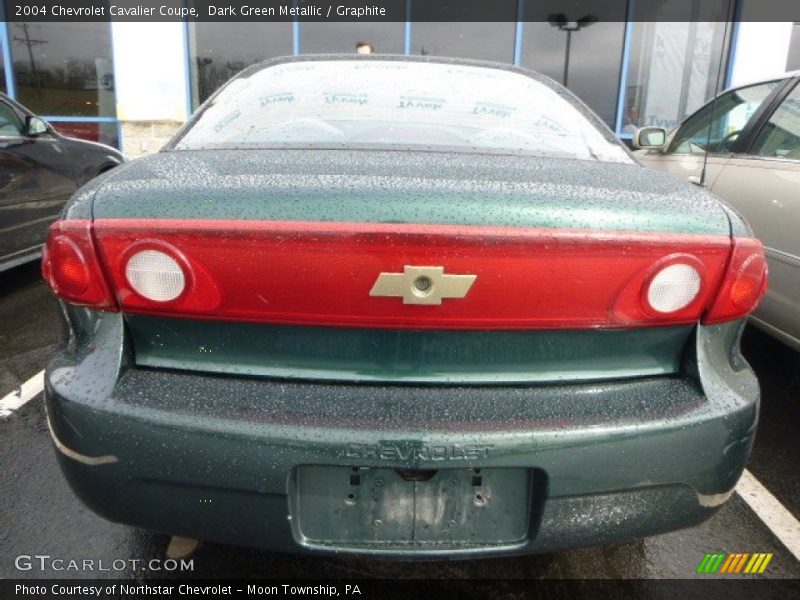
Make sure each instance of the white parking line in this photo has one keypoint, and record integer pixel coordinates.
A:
(769, 509)
(24, 393)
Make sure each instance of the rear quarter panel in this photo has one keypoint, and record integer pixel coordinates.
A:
(765, 192)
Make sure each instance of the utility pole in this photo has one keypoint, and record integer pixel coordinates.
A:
(30, 43)
(561, 21)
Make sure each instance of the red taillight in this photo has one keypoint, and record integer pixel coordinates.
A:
(312, 273)
(69, 270)
(70, 265)
(326, 274)
(744, 285)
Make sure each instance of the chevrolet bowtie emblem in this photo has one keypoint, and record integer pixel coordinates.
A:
(422, 285)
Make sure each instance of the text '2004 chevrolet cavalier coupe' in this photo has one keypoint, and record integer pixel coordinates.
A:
(395, 306)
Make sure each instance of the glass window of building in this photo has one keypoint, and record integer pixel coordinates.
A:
(482, 41)
(64, 69)
(675, 62)
(332, 37)
(793, 60)
(543, 49)
(586, 58)
(220, 50)
(327, 38)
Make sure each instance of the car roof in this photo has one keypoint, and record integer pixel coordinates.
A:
(787, 75)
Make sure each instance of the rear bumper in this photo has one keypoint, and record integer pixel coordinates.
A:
(217, 458)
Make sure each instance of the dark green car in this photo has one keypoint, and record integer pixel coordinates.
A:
(407, 307)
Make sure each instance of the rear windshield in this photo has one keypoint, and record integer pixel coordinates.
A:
(397, 103)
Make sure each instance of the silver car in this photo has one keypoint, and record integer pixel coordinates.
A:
(752, 134)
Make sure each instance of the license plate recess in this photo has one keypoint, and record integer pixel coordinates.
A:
(363, 507)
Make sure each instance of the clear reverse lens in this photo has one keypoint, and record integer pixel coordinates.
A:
(155, 275)
(673, 288)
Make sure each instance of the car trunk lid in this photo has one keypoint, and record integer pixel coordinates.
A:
(407, 266)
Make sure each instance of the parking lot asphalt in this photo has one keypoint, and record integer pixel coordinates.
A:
(40, 515)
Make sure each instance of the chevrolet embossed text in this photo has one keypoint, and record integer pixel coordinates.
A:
(404, 452)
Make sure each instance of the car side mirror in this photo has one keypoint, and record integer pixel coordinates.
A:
(650, 137)
(34, 126)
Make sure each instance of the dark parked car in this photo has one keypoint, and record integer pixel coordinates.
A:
(408, 307)
(39, 170)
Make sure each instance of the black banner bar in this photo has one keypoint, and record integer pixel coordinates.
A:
(731, 588)
(400, 10)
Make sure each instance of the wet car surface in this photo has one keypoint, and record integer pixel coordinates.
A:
(494, 335)
(41, 514)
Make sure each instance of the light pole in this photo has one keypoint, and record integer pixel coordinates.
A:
(561, 21)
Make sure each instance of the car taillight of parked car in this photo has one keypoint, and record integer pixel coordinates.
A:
(321, 273)
(71, 267)
(744, 285)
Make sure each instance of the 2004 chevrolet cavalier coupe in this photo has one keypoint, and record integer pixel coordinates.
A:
(401, 307)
